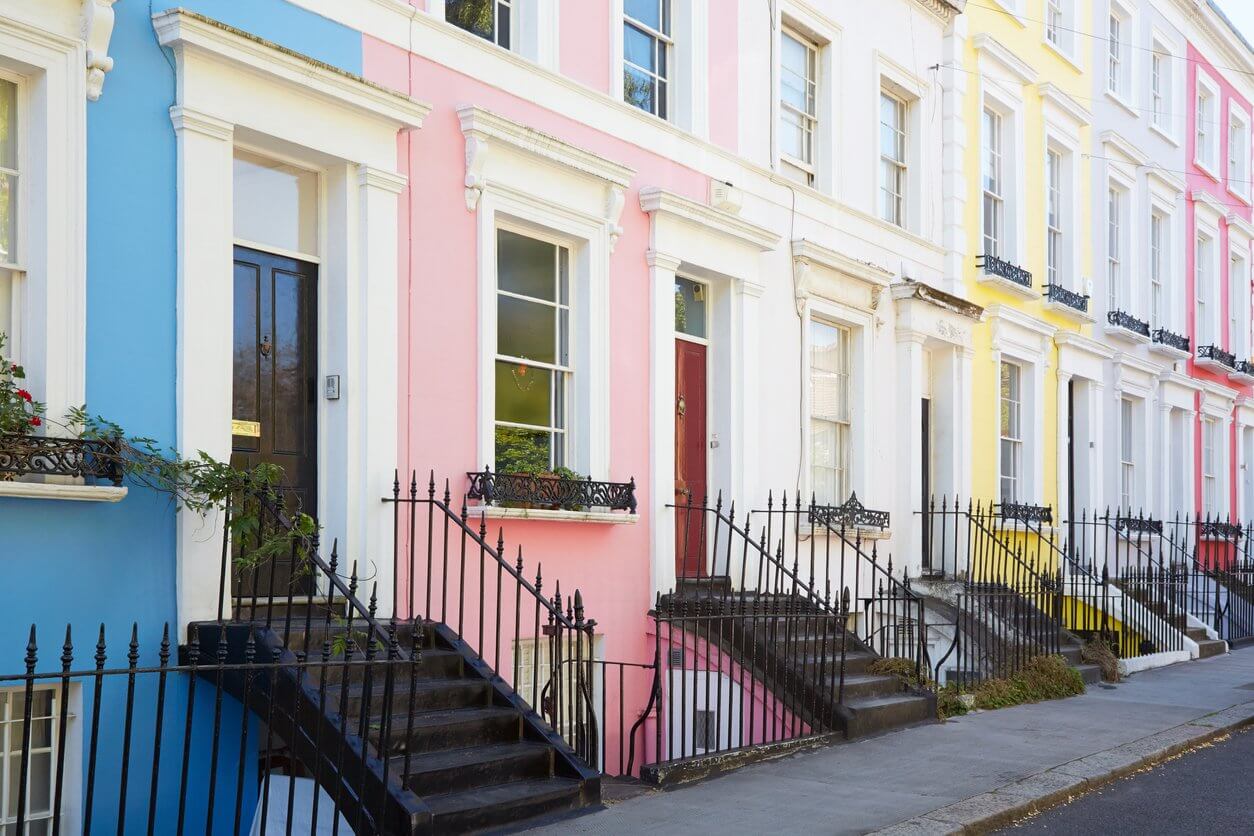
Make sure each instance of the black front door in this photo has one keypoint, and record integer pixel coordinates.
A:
(274, 405)
(926, 455)
(1071, 463)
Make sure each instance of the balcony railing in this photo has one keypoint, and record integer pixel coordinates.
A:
(1244, 367)
(1023, 512)
(1216, 355)
(1172, 340)
(1128, 322)
(851, 514)
(551, 492)
(995, 266)
(1062, 296)
(31, 455)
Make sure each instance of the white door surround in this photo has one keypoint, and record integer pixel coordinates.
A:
(234, 89)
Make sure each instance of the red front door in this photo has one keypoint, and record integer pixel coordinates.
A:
(690, 464)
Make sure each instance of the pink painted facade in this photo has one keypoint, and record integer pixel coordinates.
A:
(1209, 187)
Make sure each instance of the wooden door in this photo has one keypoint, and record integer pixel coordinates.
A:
(274, 404)
(690, 458)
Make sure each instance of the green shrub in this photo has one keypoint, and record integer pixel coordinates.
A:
(903, 669)
(1042, 678)
(949, 703)
(1097, 651)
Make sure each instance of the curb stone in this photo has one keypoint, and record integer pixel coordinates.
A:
(990, 810)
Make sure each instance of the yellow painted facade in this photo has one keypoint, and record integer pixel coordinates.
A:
(1007, 61)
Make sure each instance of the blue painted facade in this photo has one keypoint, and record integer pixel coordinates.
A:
(87, 563)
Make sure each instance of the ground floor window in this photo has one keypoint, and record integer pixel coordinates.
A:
(1210, 466)
(41, 767)
(1127, 462)
(831, 424)
(1011, 450)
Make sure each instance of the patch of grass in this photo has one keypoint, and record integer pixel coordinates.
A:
(1042, 678)
(1098, 652)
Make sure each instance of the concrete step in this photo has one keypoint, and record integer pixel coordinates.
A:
(869, 715)
(1210, 647)
(458, 770)
(434, 731)
(485, 807)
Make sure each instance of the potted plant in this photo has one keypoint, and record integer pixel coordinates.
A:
(20, 413)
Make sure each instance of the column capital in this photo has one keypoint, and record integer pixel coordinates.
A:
(197, 121)
(662, 261)
(381, 178)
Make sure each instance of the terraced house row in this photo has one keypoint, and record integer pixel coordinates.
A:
(597, 389)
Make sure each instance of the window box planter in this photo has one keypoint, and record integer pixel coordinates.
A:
(1215, 358)
(1001, 273)
(31, 457)
(1067, 302)
(1125, 325)
(550, 492)
(1170, 344)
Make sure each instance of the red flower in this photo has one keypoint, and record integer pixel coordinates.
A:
(14, 368)
(24, 395)
(34, 421)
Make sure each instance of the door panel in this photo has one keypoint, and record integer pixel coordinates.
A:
(926, 464)
(690, 457)
(275, 389)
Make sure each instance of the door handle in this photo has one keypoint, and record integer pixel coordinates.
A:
(681, 406)
(265, 346)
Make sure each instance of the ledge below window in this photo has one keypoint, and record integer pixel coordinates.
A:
(494, 512)
(851, 534)
(74, 493)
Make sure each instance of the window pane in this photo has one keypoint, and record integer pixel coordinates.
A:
(638, 89)
(525, 329)
(275, 204)
(8, 219)
(647, 12)
(794, 65)
(522, 451)
(690, 308)
(8, 124)
(792, 135)
(525, 266)
(474, 16)
(638, 48)
(523, 394)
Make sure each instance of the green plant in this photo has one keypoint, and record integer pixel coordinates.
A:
(949, 702)
(1097, 651)
(20, 413)
(203, 485)
(1041, 678)
(341, 641)
(902, 668)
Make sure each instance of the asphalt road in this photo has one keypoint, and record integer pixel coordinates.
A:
(1207, 791)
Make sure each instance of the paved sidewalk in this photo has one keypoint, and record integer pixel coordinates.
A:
(880, 782)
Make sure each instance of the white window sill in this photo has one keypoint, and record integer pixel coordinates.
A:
(1169, 351)
(1244, 198)
(1008, 286)
(1020, 527)
(1163, 133)
(1061, 53)
(1123, 103)
(1206, 169)
(1241, 377)
(1208, 363)
(1125, 333)
(76, 493)
(495, 512)
(1069, 312)
(806, 531)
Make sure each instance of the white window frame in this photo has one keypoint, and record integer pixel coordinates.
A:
(511, 39)
(1163, 88)
(11, 747)
(49, 275)
(1116, 55)
(1206, 303)
(1115, 268)
(898, 193)
(1159, 267)
(664, 46)
(1211, 464)
(1160, 88)
(807, 24)
(1237, 169)
(799, 168)
(1128, 492)
(1059, 27)
(1238, 297)
(1015, 439)
(845, 428)
(560, 425)
(1206, 130)
(1055, 217)
(993, 183)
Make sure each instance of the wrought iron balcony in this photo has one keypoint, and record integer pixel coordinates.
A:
(1217, 530)
(850, 514)
(1023, 512)
(1244, 367)
(995, 266)
(1171, 339)
(1128, 322)
(1063, 296)
(1138, 525)
(551, 492)
(31, 455)
(1215, 354)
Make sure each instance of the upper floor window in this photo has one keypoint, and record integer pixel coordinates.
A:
(993, 184)
(1238, 305)
(10, 175)
(892, 159)
(534, 373)
(647, 47)
(1114, 248)
(831, 420)
(1117, 64)
(1160, 87)
(1204, 271)
(1058, 24)
(1207, 122)
(798, 105)
(1011, 453)
(1238, 153)
(491, 20)
(1127, 463)
(1157, 256)
(1053, 216)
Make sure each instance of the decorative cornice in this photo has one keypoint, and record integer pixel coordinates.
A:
(662, 261)
(1241, 225)
(656, 200)
(995, 49)
(1087, 345)
(182, 30)
(908, 289)
(97, 30)
(381, 178)
(1203, 198)
(809, 253)
(187, 119)
(615, 200)
(945, 10)
(1133, 155)
(1054, 95)
(1167, 178)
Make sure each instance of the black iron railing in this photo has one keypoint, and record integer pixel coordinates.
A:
(32, 455)
(1025, 513)
(995, 266)
(1066, 297)
(551, 492)
(849, 515)
(1216, 354)
(1245, 367)
(1128, 322)
(1171, 339)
